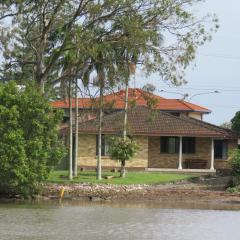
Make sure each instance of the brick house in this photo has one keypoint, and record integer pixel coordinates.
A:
(136, 96)
(166, 141)
(172, 136)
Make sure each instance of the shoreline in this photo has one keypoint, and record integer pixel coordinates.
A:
(183, 191)
(201, 192)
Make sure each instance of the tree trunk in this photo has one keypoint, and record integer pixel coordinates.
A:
(75, 167)
(125, 112)
(99, 159)
(122, 171)
(70, 131)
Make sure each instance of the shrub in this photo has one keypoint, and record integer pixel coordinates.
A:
(235, 162)
(29, 144)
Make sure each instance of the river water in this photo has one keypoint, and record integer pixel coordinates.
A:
(82, 220)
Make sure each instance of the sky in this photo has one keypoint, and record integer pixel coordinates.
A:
(217, 66)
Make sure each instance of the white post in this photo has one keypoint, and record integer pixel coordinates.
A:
(212, 155)
(180, 154)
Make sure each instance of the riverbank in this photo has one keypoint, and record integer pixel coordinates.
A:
(200, 191)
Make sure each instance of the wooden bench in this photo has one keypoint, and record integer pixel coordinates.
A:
(195, 163)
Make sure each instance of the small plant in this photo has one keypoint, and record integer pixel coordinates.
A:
(123, 150)
(232, 189)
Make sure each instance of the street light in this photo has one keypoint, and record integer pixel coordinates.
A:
(184, 95)
(202, 94)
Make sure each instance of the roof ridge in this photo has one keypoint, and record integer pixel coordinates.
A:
(188, 105)
(183, 102)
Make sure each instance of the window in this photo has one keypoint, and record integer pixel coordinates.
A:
(189, 145)
(105, 145)
(171, 145)
(220, 149)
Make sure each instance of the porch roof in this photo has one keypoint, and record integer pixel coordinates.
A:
(144, 121)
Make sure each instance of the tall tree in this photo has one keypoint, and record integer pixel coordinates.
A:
(236, 122)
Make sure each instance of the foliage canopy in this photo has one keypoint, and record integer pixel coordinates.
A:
(123, 149)
(53, 41)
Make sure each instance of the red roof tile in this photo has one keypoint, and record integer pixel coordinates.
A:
(82, 103)
(139, 97)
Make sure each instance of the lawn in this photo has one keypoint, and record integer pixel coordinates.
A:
(131, 177)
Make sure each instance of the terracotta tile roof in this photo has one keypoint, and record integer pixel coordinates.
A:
(143, 121)
(116, 100)
(180, 105)
(82, 103)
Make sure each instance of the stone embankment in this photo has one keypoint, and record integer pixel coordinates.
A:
(183, 191)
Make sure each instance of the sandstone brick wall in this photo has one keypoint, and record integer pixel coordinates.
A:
(87, 153)
(149, 154)
(203, 151)
(157, 159)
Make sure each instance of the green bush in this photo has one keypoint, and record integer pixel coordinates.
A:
(29, 143)
(232, 189)
(121, 149)
(235, 162)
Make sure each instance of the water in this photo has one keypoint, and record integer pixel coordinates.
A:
(81, 220)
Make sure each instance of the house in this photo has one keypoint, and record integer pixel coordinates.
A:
(172, 136)
(166, 141)
(138, 97)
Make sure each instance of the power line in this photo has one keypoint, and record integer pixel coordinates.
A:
(223, 106)
(206, 89)
(231, 57)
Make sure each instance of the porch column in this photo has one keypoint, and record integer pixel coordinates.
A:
(212, 155)
(180, 154)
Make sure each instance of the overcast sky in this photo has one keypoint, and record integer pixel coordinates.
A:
(217, 65)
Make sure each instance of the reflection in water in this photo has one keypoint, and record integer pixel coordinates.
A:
(84, 220)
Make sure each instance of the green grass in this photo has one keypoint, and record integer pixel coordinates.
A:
(131, 177)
